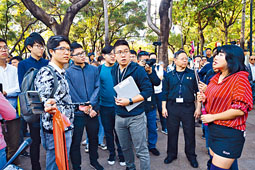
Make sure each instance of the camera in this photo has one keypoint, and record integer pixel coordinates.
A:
(150, 62)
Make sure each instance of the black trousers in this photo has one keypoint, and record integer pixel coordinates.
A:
(181, 113)
(92, 127)
(35, 146)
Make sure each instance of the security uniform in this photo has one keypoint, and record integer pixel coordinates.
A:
(179, 90)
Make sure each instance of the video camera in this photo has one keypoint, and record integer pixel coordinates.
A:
(150, 62)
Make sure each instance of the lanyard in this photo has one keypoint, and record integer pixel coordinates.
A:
(123, 74)
(180, 80)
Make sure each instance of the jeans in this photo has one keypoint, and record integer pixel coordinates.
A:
(101, 131)
(158, 98)
(2, 158)
(11, 136)
(108, 120)
(152, 128)
(92, 125)
(35, 146)
(132, 130)
(48, 144)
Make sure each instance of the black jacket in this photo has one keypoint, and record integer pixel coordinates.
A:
(142, 81)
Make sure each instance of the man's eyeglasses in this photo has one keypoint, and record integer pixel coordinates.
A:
(62, 49)
(252, 59)
(42, 47)
(81, 54)
(4, 48)
(125, 52)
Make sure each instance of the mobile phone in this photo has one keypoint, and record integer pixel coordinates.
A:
(35, 102)
(1, 87)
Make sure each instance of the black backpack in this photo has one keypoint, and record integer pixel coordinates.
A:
(30, 105)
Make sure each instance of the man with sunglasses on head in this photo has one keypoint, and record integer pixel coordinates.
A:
(131, 125)
(59, 51)
(36, 46)
(83, 81)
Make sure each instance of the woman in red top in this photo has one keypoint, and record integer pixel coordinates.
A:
(227, 99)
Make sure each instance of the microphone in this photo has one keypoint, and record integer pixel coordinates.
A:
(25, 144)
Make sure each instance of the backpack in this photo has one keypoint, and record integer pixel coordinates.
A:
(30, 106)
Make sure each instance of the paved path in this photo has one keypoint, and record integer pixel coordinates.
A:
(246, 162)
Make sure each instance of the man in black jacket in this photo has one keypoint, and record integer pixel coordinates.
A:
(150, 103)
(131, 126)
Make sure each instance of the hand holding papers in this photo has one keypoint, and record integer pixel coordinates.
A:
(127, 89)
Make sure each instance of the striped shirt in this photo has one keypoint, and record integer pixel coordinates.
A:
(234, 92)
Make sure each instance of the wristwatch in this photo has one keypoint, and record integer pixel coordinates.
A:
(130, 101)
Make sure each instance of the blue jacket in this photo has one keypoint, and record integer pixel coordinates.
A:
(142, 81)
(83, 84)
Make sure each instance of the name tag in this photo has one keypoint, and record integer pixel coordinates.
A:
(149, 99)
(179, 100)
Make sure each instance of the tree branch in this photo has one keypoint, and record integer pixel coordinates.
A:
(149, 20)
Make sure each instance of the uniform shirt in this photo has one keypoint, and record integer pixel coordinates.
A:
(234, 92)
(171, 86)
(44, 83)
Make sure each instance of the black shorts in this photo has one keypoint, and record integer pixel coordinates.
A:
(225, 141)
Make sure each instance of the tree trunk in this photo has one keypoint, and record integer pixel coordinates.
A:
(202, 41)
(58, 29)
(106, 23)
(243, 25)
(164, 29)
(149, 20)
(226, 35)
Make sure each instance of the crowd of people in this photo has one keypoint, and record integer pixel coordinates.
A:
(219, 83)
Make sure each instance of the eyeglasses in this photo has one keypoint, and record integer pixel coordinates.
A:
(63, 49)
(252, 59)
(125, 52)
(81, 54)
(42, 47)
(4, 48)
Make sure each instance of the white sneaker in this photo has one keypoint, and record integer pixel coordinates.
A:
(102, 146)
(122, 163)
(84, 143)
(86, 148)
(111, 162)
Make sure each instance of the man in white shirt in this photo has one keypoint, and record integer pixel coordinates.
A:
(9, 81)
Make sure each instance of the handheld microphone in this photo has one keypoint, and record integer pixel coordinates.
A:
(25, 144)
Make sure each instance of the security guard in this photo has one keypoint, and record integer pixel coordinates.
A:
(179, 87)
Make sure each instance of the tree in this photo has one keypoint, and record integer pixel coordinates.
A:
(165, 13)
(64, 26)
(228, 14)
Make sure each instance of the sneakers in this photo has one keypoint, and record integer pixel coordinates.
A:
(96, 166)
(154, 151)
(164, 131)
(84, 143)
(122, 161)
(102, 146)
(111, 160)
(86, 148)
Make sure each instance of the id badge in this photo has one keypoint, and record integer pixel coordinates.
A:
(179, 100)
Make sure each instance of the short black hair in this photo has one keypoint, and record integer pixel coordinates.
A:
(75, 45)
(55, 40)
(208, 49)
(107, 49)
(34, 38)
(133, 52)
(142, 53)
(178, 53)
(121, 42)
(100, 58)
(90, 54)
(197, 56)
(16, 58)
(153, 54)
(234, 57)
(2, 40)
